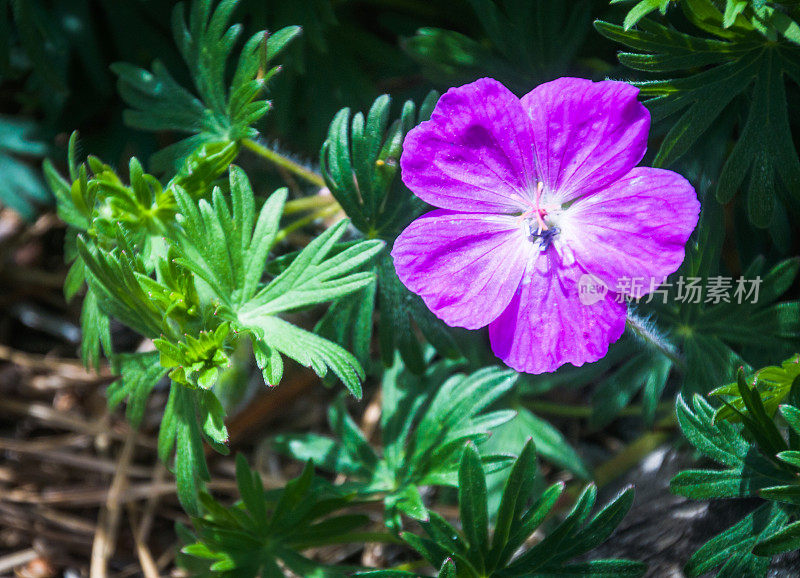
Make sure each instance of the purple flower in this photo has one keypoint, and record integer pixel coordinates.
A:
(539, 199)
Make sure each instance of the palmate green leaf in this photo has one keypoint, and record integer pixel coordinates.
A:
(423, 430)
(313, 277)
(360, 161)
(748, 470)
(527, 42)
(250, 538)
(219, 111)
(224, 244)
(745, 66)
(762, 468)
(21, 187)
(473, 554)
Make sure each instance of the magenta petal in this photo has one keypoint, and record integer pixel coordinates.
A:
(465, 266)
(474, 154)
(635, 229)
(586, 134)
(547, 323)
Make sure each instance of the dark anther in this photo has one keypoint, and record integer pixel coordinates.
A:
(545, 237)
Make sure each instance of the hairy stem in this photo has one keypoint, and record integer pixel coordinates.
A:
(284, 162)
(307, 203)
(646, 333)
(325, 211)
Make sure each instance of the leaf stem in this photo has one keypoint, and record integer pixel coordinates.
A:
(631, 455)
(307, 203)
(584, 411)
(352, 538)
(325, 211)
(646, 333)
(284, 162)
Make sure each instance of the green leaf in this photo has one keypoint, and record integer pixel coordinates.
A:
(307, 349)
(360, 161)
(513, 501)
(181, 431)
(250, 538)
(227, 246)
(474, 556)
(748, 471)
(218, 111)
(784, 540)
(509, 51)
(312, 277)
(424, 427)
(472, 504)
(95, 330)
(114, 279)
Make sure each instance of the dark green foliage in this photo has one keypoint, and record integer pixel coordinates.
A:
(425, 422)
(474, 551)
(760, 457)
(187, 273)
(251, 538)
(220, 111)
(528, 42)
(741, 66)
(727, 17)
(21, 187)
(360, 163)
